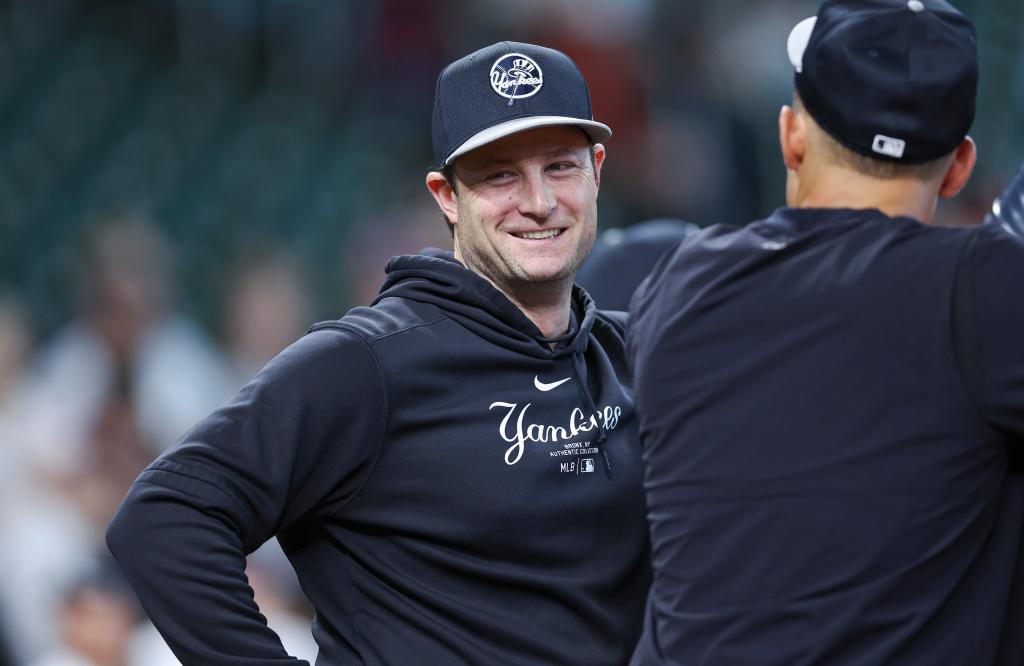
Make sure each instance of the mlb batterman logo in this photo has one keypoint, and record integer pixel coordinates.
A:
(516, 76)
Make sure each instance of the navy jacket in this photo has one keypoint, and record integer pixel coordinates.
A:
(826, 431)
(449, 489)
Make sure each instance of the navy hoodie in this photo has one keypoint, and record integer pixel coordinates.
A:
(448, 487)
(829, 401)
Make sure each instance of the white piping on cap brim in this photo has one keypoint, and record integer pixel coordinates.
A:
(797, 42)
(595, 130)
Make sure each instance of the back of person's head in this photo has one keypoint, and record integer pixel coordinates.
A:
(831, 149)
(888, 85)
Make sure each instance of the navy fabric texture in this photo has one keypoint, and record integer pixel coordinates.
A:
(465, 102)
(875, 71)
(622, 258)
(434, 472)
(823, 485)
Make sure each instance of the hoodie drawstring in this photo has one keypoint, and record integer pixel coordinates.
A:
(578, 362)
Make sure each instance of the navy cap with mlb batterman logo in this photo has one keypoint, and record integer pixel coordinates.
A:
(891, 79)
(506, 88)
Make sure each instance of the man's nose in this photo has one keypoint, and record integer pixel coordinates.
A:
(537, 199)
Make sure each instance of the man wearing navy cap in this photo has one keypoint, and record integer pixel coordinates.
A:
(454, 471)
(828, 396)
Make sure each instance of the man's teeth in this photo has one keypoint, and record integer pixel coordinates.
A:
(538, 235)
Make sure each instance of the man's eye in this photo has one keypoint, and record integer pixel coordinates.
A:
(499, 176)
(561, 166)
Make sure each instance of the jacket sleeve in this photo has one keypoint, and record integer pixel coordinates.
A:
(999, 295)
(297, 442)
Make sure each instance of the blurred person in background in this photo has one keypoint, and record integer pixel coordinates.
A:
(375, 239)
(622, 258)
(44, 539)
(127, 338)
(96, 404)
(268, 308)
(96, 621)
(828, 397)
(452, 471)
(15, 346)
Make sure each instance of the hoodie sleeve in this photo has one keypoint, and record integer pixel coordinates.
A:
(999, 295)
(297, 442)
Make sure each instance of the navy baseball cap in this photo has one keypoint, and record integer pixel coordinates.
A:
(506, 88)
(891, 79)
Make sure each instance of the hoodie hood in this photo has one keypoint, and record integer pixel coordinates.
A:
(436, 277)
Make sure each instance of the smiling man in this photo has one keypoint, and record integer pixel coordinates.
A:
(454, 471)
(524, 215)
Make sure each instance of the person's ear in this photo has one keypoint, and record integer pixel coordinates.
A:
(444, 195)
(959, 171)
(599, 154)
(792, 137)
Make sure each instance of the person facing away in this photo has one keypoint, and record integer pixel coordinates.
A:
(454, 471)
(828, 396)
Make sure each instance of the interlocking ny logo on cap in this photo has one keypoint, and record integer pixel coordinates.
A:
(516, 76)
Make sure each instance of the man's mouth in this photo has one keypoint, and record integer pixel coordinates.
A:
(538, 235)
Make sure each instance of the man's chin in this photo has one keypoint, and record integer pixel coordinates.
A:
(544, 275)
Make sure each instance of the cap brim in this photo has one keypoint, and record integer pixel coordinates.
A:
(799, 36)
(595, 130)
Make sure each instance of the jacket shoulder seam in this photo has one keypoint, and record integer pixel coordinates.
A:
(341, 504)
(341, 325)
(410, 327)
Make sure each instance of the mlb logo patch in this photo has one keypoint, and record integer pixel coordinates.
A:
(586, 465)
(886, 145)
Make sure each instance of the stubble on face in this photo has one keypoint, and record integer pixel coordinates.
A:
(509, 269)
(540, 181)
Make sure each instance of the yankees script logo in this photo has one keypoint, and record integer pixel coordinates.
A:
(517, 431)
(516, 76)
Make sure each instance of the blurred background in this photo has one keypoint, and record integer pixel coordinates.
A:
(186, 185)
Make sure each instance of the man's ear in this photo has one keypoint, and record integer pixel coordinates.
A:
(599, 154)
(960, 168)
(444, 195)
(792, 137)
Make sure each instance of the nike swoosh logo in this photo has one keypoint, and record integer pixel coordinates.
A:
(541, 386)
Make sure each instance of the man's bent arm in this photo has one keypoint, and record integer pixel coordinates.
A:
(297, 442)
(186, 564)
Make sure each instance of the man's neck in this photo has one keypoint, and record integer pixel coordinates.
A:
(546, 305)
(844, 188)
